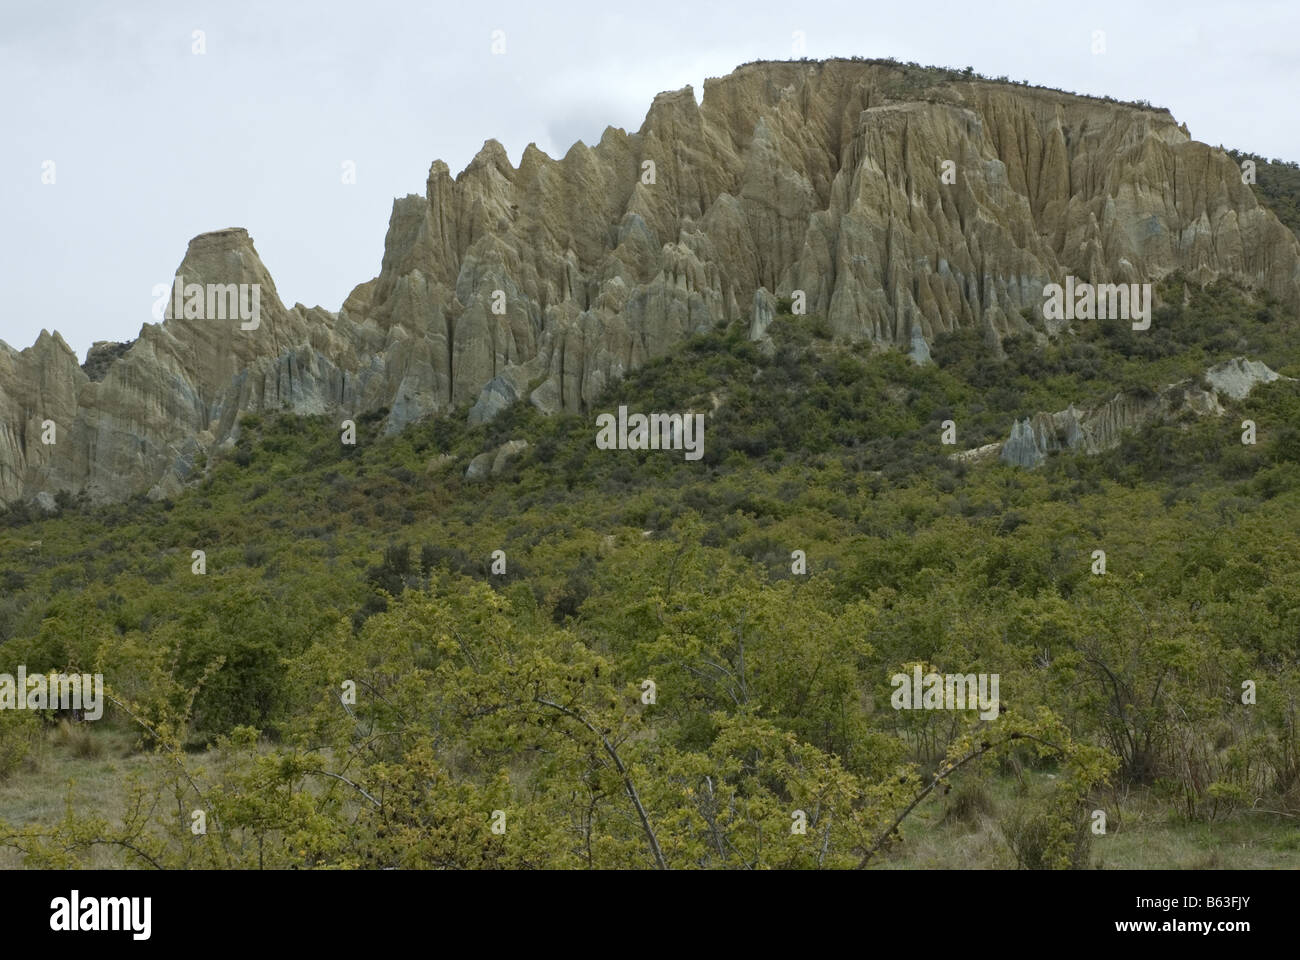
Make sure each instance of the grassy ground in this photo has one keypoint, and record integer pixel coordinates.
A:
(962, 831)
(89, 765)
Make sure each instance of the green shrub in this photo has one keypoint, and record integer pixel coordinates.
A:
(1044, 837)
(78, 739)
(967, 802)
(18, 731)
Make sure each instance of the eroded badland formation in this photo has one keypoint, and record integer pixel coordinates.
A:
(820, 177)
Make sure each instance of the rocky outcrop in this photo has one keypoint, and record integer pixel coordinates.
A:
(1101, 428)
(763, 314)
(177, 391)
(920, 352)
(901, 211)
(493, 462)
(1237, 377)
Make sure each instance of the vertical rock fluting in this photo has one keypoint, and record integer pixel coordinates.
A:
(548, 281)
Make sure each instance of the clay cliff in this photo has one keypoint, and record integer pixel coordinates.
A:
(543, 283)
(1092, 430)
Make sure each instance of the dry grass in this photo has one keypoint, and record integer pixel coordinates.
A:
(90, 765)
(960, 832)
(86, 765)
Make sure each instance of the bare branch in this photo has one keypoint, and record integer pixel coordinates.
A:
(627, 778)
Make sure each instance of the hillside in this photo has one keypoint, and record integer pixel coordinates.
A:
(524, 692)
(904, 203)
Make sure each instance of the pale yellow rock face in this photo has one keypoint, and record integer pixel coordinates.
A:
(822, 177)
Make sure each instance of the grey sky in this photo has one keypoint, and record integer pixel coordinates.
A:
(154, 144)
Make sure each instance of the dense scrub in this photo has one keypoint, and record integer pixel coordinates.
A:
(377, 691)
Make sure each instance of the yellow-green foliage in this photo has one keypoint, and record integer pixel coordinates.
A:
(333, 569)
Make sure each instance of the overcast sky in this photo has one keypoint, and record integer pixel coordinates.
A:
(153, 143)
